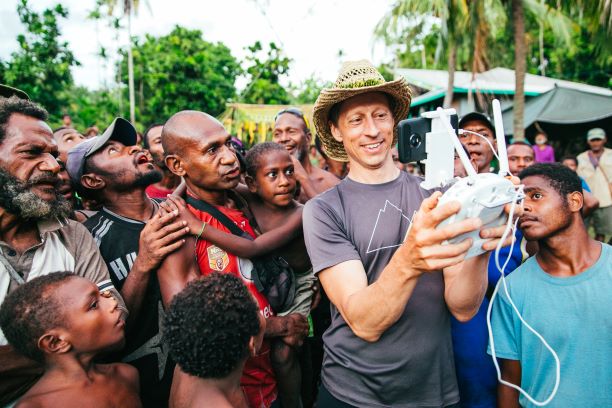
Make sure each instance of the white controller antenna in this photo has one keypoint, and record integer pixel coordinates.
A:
(504, 168)
(465, 160)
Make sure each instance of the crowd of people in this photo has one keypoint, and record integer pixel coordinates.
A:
(176, 269)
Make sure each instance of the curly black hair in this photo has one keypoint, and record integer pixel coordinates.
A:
(208, 325)
(255, 153)
(30, 311)
(561, 179)
(12, 105)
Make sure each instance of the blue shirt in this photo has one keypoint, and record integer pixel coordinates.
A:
(475, 371)
(574, 315)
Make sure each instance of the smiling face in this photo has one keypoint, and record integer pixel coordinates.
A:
(274, 181)
(93, 321)
(290, 131)
(120, 168)
(479, 150)
(365, 128)
(546, 212)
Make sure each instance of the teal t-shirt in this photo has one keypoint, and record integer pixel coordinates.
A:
(574, 315)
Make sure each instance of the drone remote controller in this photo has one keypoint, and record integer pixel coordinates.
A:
(481, 195)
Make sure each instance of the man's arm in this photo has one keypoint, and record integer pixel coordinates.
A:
(160, 237)
(371, 309)
(177, 270)
(511, 372)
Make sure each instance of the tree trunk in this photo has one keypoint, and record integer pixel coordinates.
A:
(131, 70)
(518, 17)
(452, 60)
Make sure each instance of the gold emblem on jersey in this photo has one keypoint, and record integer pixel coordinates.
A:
(217, 258)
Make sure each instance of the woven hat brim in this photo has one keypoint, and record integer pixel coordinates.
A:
(398, 90)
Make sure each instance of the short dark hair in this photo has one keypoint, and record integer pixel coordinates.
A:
(30, 311)
(520, 143)
(560, 178)
(12, 105)
(255, 154)
(208, 325)
(145, 135)
(570, 157)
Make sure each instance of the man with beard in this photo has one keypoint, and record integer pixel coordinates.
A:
(133, 238)
(152, 142)
(563, 292)
(291, 131)
(36, 238)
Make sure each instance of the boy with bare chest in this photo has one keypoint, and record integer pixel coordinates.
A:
(64, 321)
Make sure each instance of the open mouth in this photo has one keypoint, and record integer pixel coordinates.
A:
(142, 159)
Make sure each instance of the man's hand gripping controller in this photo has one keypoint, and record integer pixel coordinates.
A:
(481, 195)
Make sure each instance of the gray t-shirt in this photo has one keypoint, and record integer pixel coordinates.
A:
(411, 365)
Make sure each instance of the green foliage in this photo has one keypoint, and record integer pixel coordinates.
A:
(180, 71)
(308, 90)
(90, 108)
(41, 66)
(264, 75)
(573, 46)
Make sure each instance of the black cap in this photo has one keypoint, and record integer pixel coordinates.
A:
(8, 91)
(120, 130)
(476, 116)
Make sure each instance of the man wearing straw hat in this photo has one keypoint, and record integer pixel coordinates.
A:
(392, 288)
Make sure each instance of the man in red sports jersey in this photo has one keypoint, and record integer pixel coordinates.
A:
(199, 149)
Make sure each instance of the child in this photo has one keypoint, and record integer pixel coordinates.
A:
(211, 328)
(271, 191)
(544, 153)
(63, 321)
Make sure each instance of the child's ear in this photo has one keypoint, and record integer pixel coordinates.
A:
(54, 343)
(251, 183)
(253, 346)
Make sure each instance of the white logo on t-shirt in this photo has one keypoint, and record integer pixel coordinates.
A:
(397, 221)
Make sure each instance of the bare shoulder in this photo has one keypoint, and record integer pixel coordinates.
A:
(124, 372)
(29, 402)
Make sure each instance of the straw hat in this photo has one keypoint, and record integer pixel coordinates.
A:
(356, 77)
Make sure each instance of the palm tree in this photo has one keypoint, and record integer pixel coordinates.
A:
(129, 7)
(547, 16)
(453, 17)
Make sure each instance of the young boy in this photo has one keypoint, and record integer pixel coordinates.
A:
(65, 322)
(211, 328)
(270, 195)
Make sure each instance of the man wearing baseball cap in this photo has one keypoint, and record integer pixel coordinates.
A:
(475, 124)
(134, 238)
(595, 166)
(373, 242)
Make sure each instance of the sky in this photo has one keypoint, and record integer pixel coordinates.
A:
(310, 32)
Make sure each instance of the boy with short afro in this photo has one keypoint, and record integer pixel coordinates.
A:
(65, 322)
(211, 328)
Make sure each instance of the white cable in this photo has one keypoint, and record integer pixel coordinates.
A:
(512, 227)
(458, 146)
(486, 139)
